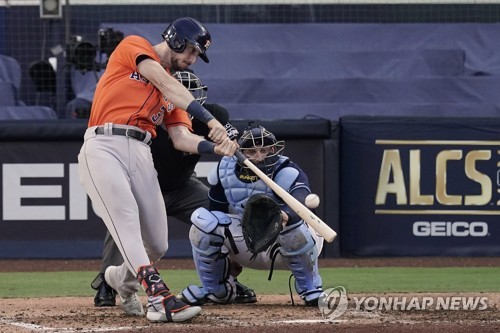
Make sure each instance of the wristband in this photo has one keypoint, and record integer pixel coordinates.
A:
(199, 112)
(206, 147)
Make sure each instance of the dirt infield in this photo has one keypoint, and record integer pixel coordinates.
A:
(270, 313)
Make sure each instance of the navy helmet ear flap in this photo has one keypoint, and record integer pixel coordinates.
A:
(185, 31)
(173, 42)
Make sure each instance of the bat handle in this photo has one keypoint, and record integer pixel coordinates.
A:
(239, 155)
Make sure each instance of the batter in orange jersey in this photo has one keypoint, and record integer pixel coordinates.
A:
(135, 94)
(124, 96)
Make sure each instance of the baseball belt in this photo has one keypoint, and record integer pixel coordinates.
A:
(128, 132)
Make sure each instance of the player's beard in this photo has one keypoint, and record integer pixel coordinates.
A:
(177, 64)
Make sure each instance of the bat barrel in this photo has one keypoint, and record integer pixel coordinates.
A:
(309, 217)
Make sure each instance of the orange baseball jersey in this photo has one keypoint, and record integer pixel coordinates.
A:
(123, 96)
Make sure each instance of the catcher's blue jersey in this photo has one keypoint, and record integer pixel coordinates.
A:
(234, 185)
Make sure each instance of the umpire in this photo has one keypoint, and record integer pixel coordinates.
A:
(182, 191)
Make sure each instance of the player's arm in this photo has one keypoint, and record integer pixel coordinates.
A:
(300, 189)
(217, 199)
(186, 141)
(175, 92)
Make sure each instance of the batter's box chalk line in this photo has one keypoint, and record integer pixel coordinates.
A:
(39, 328)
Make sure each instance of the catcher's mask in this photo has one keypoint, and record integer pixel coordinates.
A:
(193, 84)
(187, 30)
(255, 142)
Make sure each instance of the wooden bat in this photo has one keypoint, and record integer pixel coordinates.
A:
(309, 217)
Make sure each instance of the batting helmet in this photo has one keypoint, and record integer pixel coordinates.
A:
(187, 30)
(193, 84)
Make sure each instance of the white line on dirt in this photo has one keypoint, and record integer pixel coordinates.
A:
(33, 327)
(309, 321)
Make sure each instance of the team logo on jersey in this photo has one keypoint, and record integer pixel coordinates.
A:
(138, 77)
(157, 118)
(168, 107)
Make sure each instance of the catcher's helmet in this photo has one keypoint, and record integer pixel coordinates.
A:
(193, 84)
(187, 30)
(255, 137)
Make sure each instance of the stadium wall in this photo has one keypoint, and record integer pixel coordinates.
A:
(420, 186)
(46, 213)
(391, 186)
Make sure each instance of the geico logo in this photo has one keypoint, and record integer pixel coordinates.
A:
(447, 229)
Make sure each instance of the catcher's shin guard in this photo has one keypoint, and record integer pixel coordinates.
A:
(207, 237)
(300, 254)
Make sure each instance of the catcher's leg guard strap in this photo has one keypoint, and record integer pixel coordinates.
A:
(300, 254)
(151, 281)
(194, 295)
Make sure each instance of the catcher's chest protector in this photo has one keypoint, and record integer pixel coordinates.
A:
(237, 191)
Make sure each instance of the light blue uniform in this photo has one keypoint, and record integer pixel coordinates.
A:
(296, 249)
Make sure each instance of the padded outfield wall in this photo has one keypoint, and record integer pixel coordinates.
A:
(402, 186)
(390, 186)
(417, 186)
(46, 214)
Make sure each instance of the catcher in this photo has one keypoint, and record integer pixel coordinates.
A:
(247, 224)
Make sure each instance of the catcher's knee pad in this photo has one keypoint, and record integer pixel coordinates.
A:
(207, 232)
(300, 254)
(207, 238)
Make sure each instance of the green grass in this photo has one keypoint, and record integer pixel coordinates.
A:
(355, 280)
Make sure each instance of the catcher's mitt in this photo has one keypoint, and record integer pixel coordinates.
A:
(261, 222)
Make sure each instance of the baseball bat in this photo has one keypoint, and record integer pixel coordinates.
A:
(309, 217)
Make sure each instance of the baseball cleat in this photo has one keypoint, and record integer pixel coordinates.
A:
(168, 308)
(194, 295)
(106, 296)
(131, 303)
(244, 294)
(312, 303)
(311, 297)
